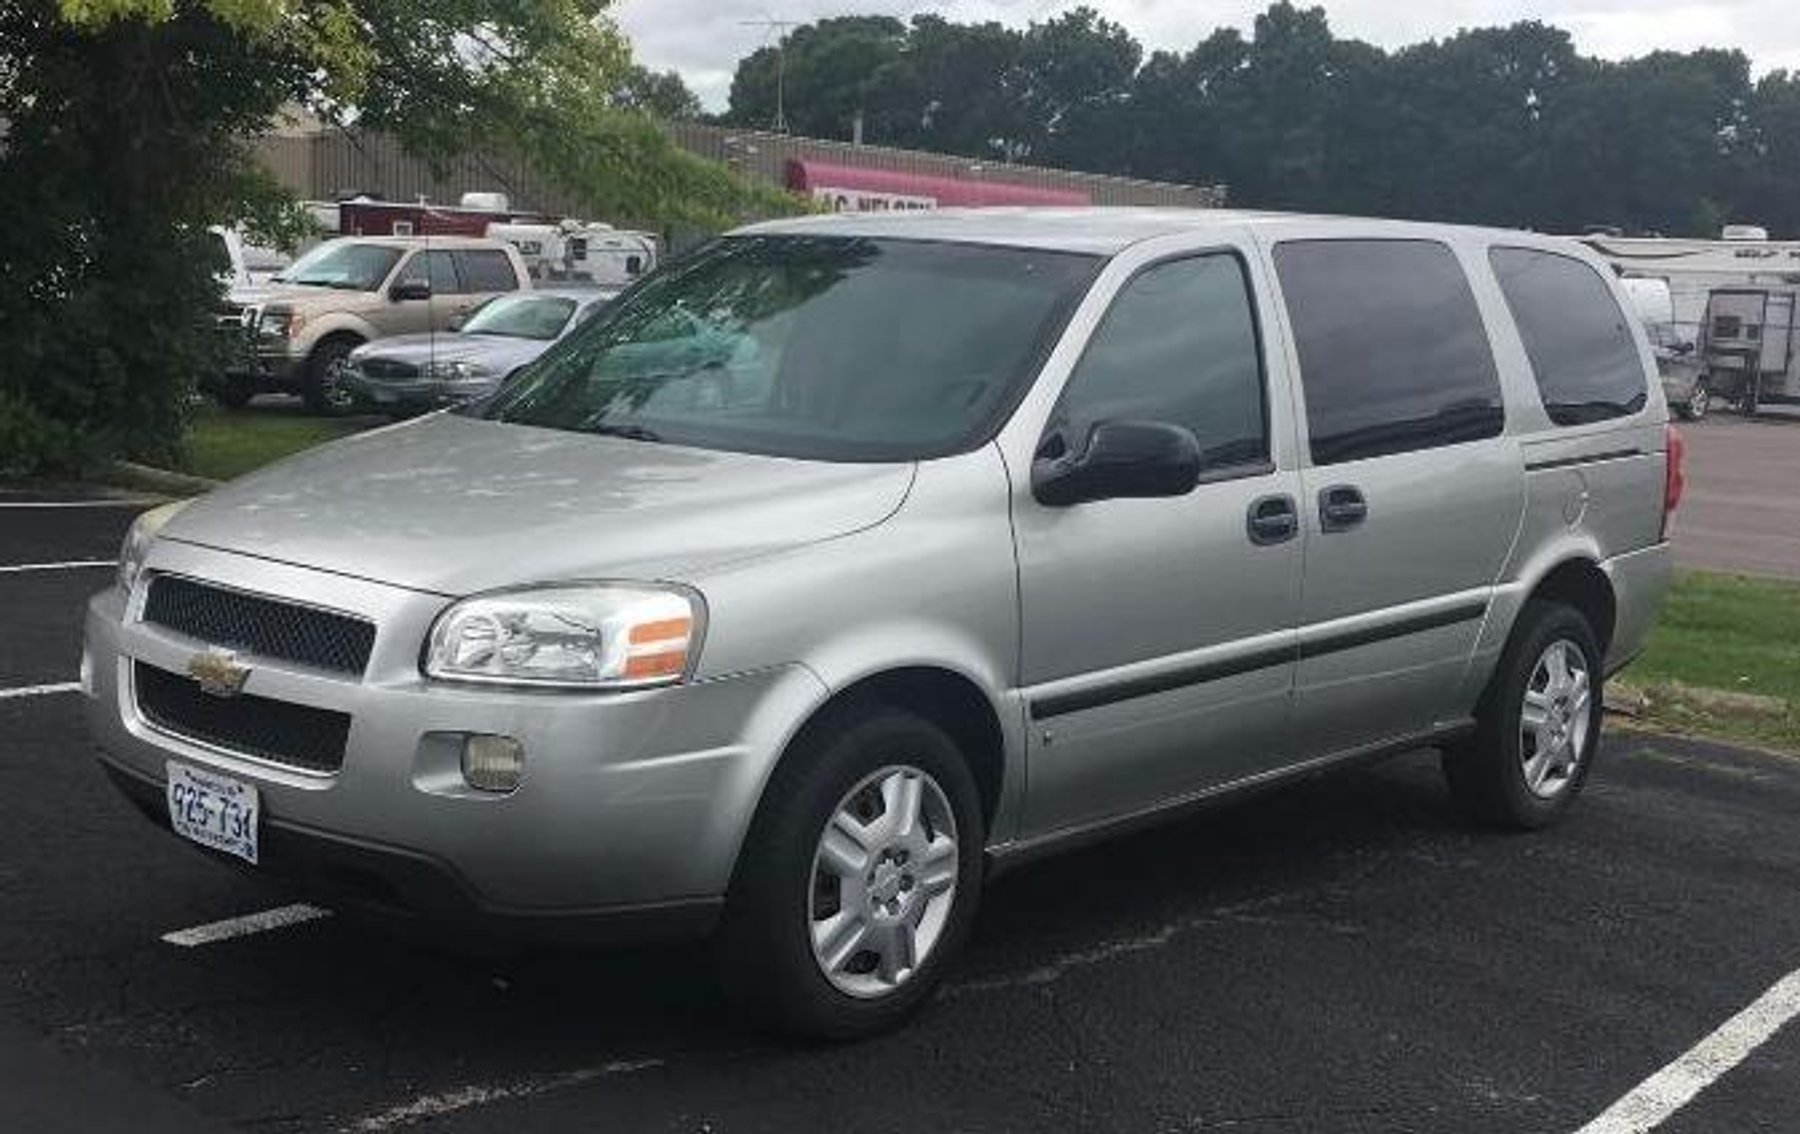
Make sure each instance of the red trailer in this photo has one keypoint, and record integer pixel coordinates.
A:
(363, 217)
(855, 189)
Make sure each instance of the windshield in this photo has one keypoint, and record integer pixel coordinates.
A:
(343, 264)
(828, 348)
(522, 317)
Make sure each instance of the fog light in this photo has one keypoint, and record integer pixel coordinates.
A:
(492, 763)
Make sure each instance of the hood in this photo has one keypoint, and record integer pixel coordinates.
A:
(293, 295)
(455, 505)
(258, 293)
(499, 353)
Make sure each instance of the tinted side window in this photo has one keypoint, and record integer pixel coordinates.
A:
(1580, 345)
(1393, 353)
(1179, 345)
(439, 268)
(488, 271)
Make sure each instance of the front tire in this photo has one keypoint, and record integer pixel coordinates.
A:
(859, 880)
(1538, 726)
(323, 386)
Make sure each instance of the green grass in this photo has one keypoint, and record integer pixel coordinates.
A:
(1725, 634)
(223, 444)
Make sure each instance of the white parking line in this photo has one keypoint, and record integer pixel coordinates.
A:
(72, 565)
(72, 503)
(429, 1107)
(40, 690)
(217, 931)
(1667, 1091)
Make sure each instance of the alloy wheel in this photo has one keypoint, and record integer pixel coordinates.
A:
(1556, 719)
(337, 395)
(883, 882)
(1698, 399)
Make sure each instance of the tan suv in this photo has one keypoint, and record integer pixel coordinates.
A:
(296, 334)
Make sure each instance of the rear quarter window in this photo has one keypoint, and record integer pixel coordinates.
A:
(1394, 356)
(488, 270)
(1578, 339)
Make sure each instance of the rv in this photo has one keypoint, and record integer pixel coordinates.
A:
(1730, 331)
(580, 252)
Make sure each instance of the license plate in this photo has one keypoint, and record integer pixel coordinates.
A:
(213, 810)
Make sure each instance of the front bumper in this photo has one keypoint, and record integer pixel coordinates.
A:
(416, 393)
(247, 354)
(631, 810)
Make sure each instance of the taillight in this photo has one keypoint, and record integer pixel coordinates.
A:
(1675, 478)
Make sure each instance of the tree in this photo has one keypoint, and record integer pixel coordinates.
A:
(1503, 125)
(830, 68)
(127, 126)
(660, 94)
(1768, 166)
(1071, 74)
(947, 90)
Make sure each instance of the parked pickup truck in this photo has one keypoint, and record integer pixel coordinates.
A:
(296, 333)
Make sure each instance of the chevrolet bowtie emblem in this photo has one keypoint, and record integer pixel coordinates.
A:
(219, 673)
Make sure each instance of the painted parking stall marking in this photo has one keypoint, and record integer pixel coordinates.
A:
(124, 503)
(428, 1108)
(72, 565)
(40, 690)
(212, 933)
(1654, 1100)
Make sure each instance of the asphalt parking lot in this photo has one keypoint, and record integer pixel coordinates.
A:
(1341, 957)
(1742, 512)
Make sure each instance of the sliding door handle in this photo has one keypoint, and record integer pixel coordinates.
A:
(1342, 507)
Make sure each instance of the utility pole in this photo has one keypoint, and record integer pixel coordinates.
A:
(777, 29)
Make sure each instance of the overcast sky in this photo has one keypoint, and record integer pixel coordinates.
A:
(703, 39)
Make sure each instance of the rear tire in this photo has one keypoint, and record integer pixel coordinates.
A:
(1699, 400)
(322, 387)
(831, 878)
(1538, 726)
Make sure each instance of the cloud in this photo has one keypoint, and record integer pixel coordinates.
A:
(704, 39)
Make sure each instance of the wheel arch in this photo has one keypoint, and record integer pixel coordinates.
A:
(1579, 582)
(948, 698)
(341, 332)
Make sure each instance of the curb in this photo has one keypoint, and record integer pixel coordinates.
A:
(133, 475)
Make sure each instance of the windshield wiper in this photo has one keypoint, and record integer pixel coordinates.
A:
(629, 432)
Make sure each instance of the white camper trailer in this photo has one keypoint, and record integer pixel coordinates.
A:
(579, 252)
(1695, 268)
(1731, 333)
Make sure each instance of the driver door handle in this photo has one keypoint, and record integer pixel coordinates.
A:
(1273, 519)
(1342, 507)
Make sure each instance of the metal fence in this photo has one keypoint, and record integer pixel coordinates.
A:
(333, 163)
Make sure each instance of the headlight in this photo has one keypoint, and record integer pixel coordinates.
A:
(455, 371)
(138, 540)
(279, 322)
(575, 635)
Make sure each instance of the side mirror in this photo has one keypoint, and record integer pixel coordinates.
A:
(1122, 459)
(407, 290)
(456, 322)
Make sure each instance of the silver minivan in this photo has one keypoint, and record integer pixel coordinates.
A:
(851, 560)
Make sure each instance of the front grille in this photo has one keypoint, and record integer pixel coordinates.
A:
(379, 367)
(277, 731)
(265, 627)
